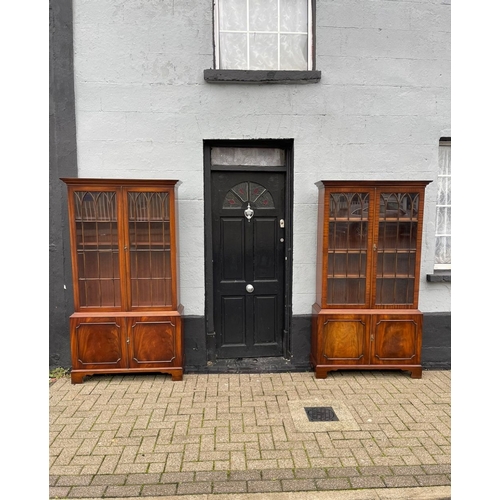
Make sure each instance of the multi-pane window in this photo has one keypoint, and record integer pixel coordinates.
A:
(263, 34)
(443, 208)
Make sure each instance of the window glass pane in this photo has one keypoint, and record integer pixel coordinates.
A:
(293, 52)
(443, 207)
(233, 15)
(233, 51)
(271, 157)
(259, 23)
(263, 51)
(263, 15)
(293, 15)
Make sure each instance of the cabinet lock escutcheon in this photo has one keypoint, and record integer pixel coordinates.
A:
(372, 338)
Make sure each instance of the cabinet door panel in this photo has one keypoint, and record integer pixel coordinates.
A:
(98, 343)
(396, 339)
(154, 341)
(343, 340)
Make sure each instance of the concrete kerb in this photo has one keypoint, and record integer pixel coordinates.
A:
(426, 493)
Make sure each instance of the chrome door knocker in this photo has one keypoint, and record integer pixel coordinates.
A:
(248, 213)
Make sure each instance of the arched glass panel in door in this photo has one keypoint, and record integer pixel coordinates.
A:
(248, 192)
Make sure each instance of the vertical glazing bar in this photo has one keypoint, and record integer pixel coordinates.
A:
(309, 35)
(279, 34)
(248, 34)
(216, 34)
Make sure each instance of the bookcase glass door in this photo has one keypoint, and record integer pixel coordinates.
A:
(149, 249)
(97, 248)
(347, 248)
(397, 248)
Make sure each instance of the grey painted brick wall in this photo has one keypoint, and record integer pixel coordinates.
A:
(143, 110)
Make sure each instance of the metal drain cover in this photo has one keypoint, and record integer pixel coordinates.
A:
(321, 414)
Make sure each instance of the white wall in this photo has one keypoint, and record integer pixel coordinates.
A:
(143, 110)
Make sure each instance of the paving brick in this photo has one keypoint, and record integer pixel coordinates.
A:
(314, 473)
(142, 479)
(298, 485)
(109, 479)
(400, 481)
(263, 486)
(434, 480)
(333, 484)
(159, 489)
(367, 482)
(87, 492)
(229, 487)
(74, 480)
(275, 474)
(123, 491)
(194, 488)
(59, 491)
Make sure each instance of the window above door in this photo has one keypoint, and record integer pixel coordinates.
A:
(263, 41)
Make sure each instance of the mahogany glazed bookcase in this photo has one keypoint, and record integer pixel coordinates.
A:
(368, 269)
(127, 317)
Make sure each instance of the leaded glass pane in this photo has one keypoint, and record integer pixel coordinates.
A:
(265, 201)
(255, 191)
(232, 201)
(241, 190)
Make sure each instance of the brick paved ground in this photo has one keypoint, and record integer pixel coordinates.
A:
(145, 436)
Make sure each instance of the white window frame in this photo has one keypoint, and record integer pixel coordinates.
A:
(217, 32)
(439, 267)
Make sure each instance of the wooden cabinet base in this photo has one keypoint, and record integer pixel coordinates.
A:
(366, 339)
(126, 343)
(77, 376)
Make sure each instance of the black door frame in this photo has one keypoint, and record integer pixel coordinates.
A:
(287, 145)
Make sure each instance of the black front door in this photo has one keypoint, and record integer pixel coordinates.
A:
(248, 211)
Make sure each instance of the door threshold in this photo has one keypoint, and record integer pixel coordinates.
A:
(250, 365)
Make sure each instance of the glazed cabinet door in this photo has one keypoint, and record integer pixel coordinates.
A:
(150, 248)
(398, 235)
(347, 257)
(98, 343)
(96, 236)
(155, 341)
